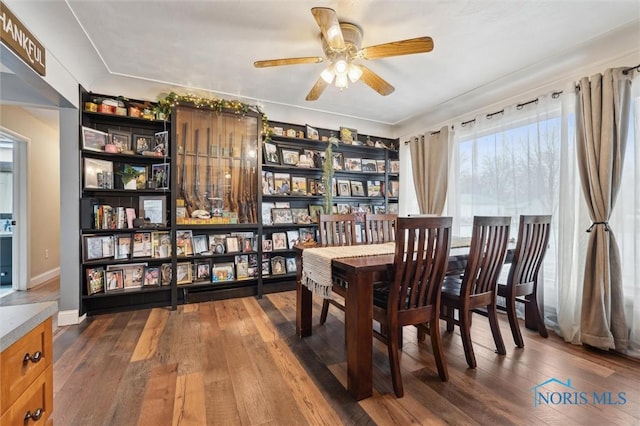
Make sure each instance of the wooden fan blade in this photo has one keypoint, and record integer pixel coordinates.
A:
(376, 82)
(317, 89)
(329, 25)
(397, 48)
(288, 61)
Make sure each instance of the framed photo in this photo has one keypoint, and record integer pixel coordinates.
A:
(315, 211)
(131, 177)
(381, 166)
(141, 244)
(312, 186)
(232, 244)
(369, 165)
(393, 208)
(247, 244)
(161, 142)
(298, 185)
(217, 243)
(279, 240)
(95, 280)
(200, 244)
(95, 173)
(291, 265)
(266, 213)
(347, 135)
(114, 280)
(344, 188)
(160, 244)
(166, 272)
(183, 273)
(282, 183)
(242, 267)
(151, 276)
(267, 183)
(184, 243)
(293, 238)
(357, 188)
(122, 140)
(203, 270)
(278, 265)
(394, 188)
(93, 140)
(353, 164)
(394, 166)
(123, 247)
(267, 245)
(271, 153)
(312, 133)
(280, 216)
(366, 208)
(338, 161)
(142, 143)
(266, 268)
(343, 208)
(160, 176)
(307, 235)
(154, 208)
(223, 272)
(98, 247)
(282, 205)
(290, 157)
(133, 275)
(320, 189)
(301, 216)
(373, 188)
(378, 209)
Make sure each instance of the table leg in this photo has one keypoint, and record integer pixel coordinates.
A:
(359, 332)
(303, 305)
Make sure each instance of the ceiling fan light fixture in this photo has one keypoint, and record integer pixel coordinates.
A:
(333, 32)
(327, 74)
(354, 73)
(341, 81)
(341, 66)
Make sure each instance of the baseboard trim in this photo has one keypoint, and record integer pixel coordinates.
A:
(70, 317)
(44, 277)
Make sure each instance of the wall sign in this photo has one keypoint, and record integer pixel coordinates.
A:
(17, 37)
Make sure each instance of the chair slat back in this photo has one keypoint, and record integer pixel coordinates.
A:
(337, 229)
(420, 263)
(380, 228)
(531, 247)
(489, 239)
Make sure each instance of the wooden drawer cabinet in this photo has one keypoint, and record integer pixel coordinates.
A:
(26, 371)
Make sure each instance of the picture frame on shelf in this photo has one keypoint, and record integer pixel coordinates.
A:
(267, 245)
(290, 157)
(200, 244)
(131, 177)
(281, 216)
(366, 208)
(394, 166)
(161, 142)
(282, 205)
(357, 188)
(312, 186)
(133, 274)
(266, 268)
(160, 244)
(123, 247)
(151, 276)
(95, 173)
(217, 243)
(298, 185)
(113, 280)
(95, 280)
(293, 238)
(223, 272)
(266, 213)
(121, 139)
(142, 143)
(184, 243)
(279, 241)
(381, 166)
(98, 247)
(393, 208)
(312, 133)
(232, 244)
(338, 161)
(353, 164)
(394, 188)
(203, 270)
(268, 185)
(343, 208)
(320, 189)
(183, 273)
(369, 165)
(141, 244)
(344, 188)
(291, 265)
(166, 273)
(315, 210)
(278, 265)
(378, 209)
(282, 182)
(347, 135)
(242, 267)
(300, 216)
(307, 235)
(271, 155)
(160, 176)
(154, 208)
(373, 188)
(93, 139)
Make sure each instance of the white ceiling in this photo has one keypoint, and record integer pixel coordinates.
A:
(211, 45)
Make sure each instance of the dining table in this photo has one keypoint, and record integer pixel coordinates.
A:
(359, 271)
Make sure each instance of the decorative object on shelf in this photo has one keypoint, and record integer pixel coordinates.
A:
(271, 153)
(312, 133)
(93, 140)
(142, 143)
(95, 280)
(347, 135)
(95, 171)
(133, 177)
(122, 140)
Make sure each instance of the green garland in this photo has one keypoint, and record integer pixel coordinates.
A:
(217, 104)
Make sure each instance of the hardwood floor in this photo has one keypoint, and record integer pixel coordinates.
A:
(239, 362)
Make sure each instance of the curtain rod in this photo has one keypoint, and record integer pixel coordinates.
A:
(637, 68)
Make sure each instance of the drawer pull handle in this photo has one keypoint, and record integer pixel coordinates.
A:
(35, 416)
(36, 357)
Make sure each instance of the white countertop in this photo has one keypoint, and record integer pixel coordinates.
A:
(16, 321)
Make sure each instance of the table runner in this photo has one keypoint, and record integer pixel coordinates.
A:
(316, 263)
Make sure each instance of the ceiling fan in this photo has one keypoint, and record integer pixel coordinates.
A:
(341, 45)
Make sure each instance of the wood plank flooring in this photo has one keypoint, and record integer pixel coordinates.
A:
(239, 362)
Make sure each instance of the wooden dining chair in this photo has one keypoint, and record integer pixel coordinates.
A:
(477, 288)
(336, 230)
(522, 283)
(412, 296)
(380, 228)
